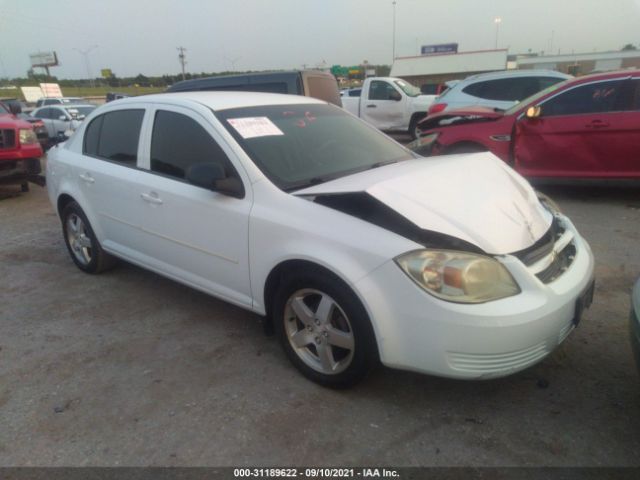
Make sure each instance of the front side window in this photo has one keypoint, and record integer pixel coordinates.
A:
(597, 97)
(115, 136)
(179, 142)
(380, 90)
(300, 145)
(43, 113)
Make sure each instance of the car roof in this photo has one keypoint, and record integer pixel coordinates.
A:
(515, 73)
(217, 100)
(607, 75)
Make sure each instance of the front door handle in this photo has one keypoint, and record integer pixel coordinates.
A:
(371, 105)
(151, 197)
(87, 178)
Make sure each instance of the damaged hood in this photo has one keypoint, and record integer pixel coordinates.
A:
(475, 198)
(458, 116)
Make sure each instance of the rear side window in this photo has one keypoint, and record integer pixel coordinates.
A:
(510, 89)
(92, 137)
(43, 113)
(597, 97)
(179, 142)
(115, 136)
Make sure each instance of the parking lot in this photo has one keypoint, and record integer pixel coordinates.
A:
(128, 368)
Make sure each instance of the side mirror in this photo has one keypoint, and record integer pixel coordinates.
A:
(63, 118)
(212, 176)
(534, 111)
(395, 96)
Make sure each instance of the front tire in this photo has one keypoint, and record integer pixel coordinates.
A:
(414, 131)
(324, 329)
(81, 241)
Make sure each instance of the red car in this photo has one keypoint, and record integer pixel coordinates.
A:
(587, 127)
(20, 150)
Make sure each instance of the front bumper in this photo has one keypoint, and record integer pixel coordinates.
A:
(416, 331)
(19, 171)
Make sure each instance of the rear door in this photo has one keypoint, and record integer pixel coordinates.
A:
(586, 131)
(110, 180)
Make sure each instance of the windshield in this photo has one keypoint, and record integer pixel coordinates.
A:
(518, 106)
(296, 146)
(407, 88)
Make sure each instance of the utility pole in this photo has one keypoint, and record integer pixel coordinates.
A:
(182, 59)
(85, 54)
(497, 21)
(394, 31)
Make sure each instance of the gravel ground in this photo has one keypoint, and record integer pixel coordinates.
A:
(128, 368)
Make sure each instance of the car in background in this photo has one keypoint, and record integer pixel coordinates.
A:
(583, 128)
(59, 101)
(17, 107)
(271, 201)
(111, 96)
(308, 83)
(20, 150)
(59, 119)
(501, 90)
(634, 323)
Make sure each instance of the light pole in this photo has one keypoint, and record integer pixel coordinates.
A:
(497, 21)
(394, 31)
(85, 54)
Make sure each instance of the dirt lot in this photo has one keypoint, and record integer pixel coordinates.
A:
(128, 368)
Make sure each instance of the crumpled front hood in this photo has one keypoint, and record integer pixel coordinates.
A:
(475, 198)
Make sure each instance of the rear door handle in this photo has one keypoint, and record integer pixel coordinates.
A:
(371, 105)
(597, 124)
(87, 178)
(151, 197)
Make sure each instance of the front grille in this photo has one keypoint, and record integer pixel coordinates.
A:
(561, 262)
(7, 138)
(543, 246)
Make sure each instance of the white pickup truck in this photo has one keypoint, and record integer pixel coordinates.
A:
(390, 104)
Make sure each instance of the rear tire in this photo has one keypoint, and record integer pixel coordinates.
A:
(324, 329)
(81, 241)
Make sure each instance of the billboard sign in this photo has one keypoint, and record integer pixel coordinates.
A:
(31, 94)
(44, 59)
(106, 73)
(51, 90)
(438, 49)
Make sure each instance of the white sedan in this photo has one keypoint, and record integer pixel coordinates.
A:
(355, 249)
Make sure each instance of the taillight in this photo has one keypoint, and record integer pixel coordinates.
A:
(437, 108)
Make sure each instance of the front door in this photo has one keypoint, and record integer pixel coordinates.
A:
(381, 109)
(192, 233)
(587, 131)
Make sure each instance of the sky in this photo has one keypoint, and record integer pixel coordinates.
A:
(142, 36)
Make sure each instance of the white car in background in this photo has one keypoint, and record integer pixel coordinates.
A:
(62, 118)
(357, 250)
(501, 90)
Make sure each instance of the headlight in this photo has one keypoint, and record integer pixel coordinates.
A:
(458, 276)
(28, 136)
(548, 203)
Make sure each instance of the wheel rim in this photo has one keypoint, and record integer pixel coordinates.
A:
(78, 239)
(319, 331)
